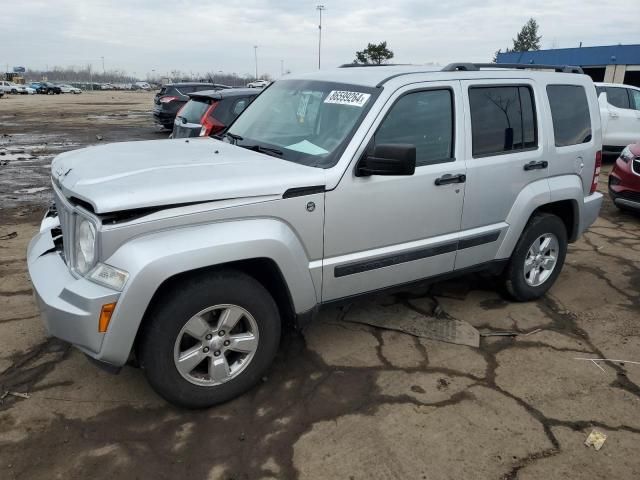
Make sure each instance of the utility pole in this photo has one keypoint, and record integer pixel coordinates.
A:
(255, 53)
(320, 9)
(281, 68)
(103, 71)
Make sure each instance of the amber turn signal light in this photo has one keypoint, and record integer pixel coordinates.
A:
(105, 316)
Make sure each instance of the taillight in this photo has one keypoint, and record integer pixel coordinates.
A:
(596, 172)
(210, 124)
(167, 99)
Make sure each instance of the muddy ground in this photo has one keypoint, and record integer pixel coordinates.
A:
(343, 400)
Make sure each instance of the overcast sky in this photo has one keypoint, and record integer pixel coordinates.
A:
(206, 36)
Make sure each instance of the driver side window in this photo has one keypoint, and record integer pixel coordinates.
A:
(423, 119)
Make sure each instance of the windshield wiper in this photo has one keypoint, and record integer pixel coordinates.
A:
(261, 149)
(232, 136)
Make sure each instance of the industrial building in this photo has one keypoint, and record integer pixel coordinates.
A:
(612, 63)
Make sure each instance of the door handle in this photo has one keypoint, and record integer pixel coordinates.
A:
(448, 178)
(613, 114)
(536, 165)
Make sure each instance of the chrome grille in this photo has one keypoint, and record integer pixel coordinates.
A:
(66, 216)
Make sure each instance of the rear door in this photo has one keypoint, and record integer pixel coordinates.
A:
(504, 155)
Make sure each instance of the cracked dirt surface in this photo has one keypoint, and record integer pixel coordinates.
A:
(345, 400)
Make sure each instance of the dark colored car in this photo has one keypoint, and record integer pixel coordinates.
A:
(46, 88)
(211, 111)
(172, 98)
(624, 179)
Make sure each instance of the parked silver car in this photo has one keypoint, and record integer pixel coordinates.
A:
(191, 255)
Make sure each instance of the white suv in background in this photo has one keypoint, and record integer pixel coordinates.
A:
(10, 87)
(620, 115)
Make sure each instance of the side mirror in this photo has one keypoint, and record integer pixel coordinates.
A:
(389, 159)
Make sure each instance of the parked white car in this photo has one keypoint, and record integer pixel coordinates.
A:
(620, 112)
(14, 88)
(69, 89)
(258, 84)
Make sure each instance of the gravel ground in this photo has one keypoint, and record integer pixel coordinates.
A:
(343, 400)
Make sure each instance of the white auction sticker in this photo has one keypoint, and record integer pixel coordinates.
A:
(341, 97)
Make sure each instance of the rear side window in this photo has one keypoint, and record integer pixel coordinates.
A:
(503, 120)
(570, 114)
(618, 97)
(423, 119)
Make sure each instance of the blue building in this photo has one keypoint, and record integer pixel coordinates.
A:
(613, 63)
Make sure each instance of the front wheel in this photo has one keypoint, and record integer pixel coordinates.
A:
(537, 259)
(211, 340)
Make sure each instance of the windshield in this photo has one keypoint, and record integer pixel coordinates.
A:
(308, 122)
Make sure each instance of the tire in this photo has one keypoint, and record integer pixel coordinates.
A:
(166, 329)
(14, 91)
(521, 282)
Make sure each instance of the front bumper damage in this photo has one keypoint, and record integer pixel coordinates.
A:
(69, 306)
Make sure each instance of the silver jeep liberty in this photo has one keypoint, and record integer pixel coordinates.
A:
(191, 255)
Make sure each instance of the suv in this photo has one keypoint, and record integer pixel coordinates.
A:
(172, 98)
(620, 113)
(10, 87)
(211, 111)
(624, 179)
(189, 256)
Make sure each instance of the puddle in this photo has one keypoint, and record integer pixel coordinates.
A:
(32, 190)
(25, 166)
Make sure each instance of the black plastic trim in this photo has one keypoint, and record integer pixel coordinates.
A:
(359, 267)
(387, 261)
(305, 318)
(494, 267)
(107, 367)
(479, 240)
(303, 191)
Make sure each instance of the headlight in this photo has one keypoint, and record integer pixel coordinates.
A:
(626, 155)
(85, 246)
(109, 276)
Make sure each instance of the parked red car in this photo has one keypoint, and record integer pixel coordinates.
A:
(624, 180)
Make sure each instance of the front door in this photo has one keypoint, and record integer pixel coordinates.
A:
(382, 231)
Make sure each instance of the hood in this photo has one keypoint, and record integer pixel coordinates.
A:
(130, 175)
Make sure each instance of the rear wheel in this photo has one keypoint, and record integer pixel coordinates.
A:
(212, 340)
(537, 259)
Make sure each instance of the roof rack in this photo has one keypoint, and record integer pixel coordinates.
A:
(474, 67)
